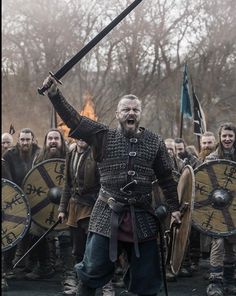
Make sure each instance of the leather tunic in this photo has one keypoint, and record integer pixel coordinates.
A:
(81, 186)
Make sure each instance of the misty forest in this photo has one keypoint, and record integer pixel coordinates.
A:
(144, 55)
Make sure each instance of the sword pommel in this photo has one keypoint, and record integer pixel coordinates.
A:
(42, 90)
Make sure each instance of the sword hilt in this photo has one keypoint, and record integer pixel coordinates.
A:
(42, 90)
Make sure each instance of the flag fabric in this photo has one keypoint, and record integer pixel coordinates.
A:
(11, 129)
(185, 105)
(198, 116)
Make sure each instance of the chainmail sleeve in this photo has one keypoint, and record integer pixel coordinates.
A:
(81, 127)
(169, 188)
(67, 113)
(88, 130)
(163, 170)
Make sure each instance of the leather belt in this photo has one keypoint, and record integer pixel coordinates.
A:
(113, 240)
(118, 208)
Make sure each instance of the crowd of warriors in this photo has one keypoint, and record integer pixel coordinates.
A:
(81, 190)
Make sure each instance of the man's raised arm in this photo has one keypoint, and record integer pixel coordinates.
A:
(67, 113)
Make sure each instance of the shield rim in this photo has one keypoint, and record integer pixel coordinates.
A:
(196, 225)
(191, 199)
(25, 178)
(28, 218)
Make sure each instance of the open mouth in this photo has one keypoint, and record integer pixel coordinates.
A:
(130, 121)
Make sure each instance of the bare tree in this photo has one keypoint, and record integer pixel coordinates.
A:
(143, 55)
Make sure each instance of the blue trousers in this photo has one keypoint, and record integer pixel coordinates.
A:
(143, 276)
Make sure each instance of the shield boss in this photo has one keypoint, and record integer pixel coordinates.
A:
(215, 201)
(43, 187)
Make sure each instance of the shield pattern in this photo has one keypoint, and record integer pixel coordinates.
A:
(44, 178)
(15, 214)
(180, 233)
(214, 211)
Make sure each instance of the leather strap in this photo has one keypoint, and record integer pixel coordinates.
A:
(117, 209)
(113, 239)
(136, 248)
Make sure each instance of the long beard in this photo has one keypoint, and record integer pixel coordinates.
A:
(26, 154)
(52, 154)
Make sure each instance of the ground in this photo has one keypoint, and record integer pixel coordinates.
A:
(194, 286)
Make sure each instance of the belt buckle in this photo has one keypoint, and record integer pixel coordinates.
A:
(132, 201)
(111, 201)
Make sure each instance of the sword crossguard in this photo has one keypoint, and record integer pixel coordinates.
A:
(42, 90)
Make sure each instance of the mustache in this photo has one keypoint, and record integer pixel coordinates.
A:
(208, 149)
(53, 146)
(26, 146)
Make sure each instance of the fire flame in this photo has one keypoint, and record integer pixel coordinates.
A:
(89, 107)
(88, 111)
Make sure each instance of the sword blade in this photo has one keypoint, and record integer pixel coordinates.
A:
(37, 242)
(76, 58)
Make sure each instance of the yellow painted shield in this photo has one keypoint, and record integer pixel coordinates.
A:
(43, 186)
(15, 214)
(215, 202)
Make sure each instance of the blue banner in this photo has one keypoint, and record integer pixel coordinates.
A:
(185, 104)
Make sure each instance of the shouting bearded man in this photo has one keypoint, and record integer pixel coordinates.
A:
(129, 159)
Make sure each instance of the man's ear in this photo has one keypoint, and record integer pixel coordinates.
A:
(117, 114)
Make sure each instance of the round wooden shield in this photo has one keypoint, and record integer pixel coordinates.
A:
(43, 186)
(181, 231)
(15, 214)
(215, 201)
